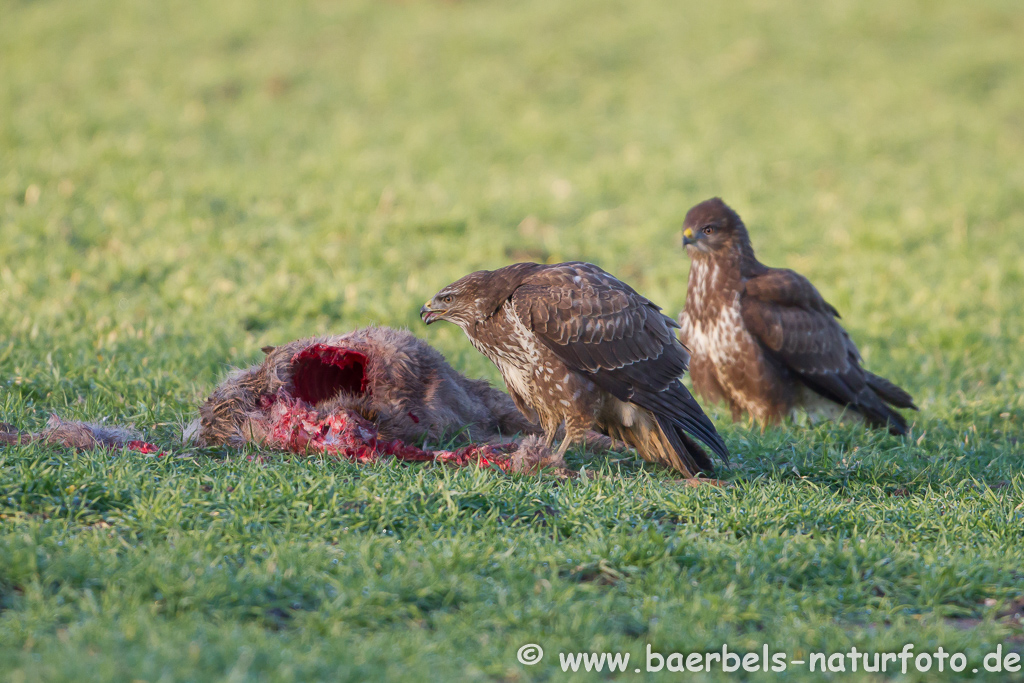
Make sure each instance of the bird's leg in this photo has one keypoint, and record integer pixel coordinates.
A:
(550, 428)
(575, 430)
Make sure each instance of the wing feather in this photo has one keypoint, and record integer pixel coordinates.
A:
(785, 312)
(619, 339)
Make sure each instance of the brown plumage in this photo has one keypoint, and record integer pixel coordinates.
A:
(387, 376)
(577, 347)
(764, 340)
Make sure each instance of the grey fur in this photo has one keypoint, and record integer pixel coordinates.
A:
(72, 434)
(406, 377)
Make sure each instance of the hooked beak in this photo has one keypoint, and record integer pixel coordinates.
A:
(689, 237)
(429, 315)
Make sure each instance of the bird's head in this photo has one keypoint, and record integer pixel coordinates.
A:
(459, 303)
(711, 227)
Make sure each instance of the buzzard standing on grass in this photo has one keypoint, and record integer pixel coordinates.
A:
(576, 346)
(764, 340)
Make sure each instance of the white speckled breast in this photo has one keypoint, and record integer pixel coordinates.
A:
(716, 333)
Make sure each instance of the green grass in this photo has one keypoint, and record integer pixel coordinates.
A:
(183, 183)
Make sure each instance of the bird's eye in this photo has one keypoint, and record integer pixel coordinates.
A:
(447, 299)
(708, 230)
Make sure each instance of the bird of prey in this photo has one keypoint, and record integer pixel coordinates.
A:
(578, 347)
(764, 340)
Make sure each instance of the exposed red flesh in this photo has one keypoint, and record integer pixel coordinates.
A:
(144, 447)
(290, 420)
(293, 425)
(322, 371)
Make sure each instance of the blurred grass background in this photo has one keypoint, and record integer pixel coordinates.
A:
(183, 183)
(187, 183)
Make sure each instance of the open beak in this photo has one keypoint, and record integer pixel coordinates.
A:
(428, 314)
(688, 237)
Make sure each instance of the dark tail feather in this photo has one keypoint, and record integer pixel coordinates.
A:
(877, 414)
(865, 397)
(661, 441)
(886, 391)
(897, 424)
(889, 392)
(683, 444)
(676, 406)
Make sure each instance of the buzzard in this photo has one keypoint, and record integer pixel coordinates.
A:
(577, 347)
(764, 340)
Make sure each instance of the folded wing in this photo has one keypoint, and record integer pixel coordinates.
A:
(795, 325)
(602, 328)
